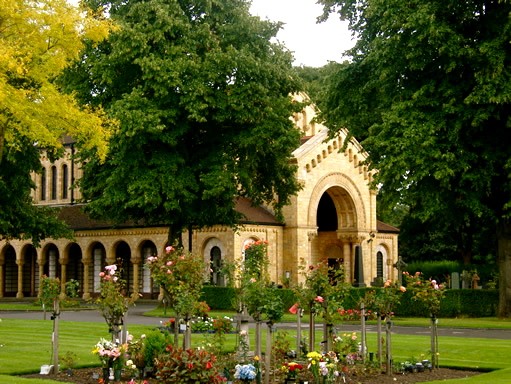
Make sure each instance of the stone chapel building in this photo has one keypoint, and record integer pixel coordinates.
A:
(332, 219)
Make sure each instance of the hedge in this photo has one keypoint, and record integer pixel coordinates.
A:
(456, 302)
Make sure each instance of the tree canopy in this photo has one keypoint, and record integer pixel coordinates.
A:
(37, 40)
(427, 92)
(204, 103)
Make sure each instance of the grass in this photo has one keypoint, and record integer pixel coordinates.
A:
(33, 338)
(25, 345)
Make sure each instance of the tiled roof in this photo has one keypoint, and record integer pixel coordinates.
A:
(77, 219)
(385, 228)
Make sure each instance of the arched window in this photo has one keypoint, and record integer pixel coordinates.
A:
(215, 275)
(43, 184)
(65, 181)
(379, 264)
(54, 183)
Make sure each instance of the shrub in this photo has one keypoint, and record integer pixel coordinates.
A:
(219, 298)
(154, 345)
(187, 366)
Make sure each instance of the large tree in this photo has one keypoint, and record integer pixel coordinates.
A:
(37, 40)
(428, 92)
(204, 103)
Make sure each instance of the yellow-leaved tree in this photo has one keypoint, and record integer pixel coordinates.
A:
(38, 39)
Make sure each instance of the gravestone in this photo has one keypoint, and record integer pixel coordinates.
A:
(400, 265)
(466, 280)
(455, 280)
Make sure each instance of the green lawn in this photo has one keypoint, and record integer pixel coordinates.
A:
(32, 338)
(25, 345)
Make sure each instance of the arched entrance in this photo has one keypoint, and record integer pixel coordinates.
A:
(98, 264)
(50, 257)
(74, 268)
(214, 255)
(30, 270)
(10, 283)
(123, 261)
(148, 288)
(336, 221)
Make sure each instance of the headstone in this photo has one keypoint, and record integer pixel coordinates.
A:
(400, 265)
(243, 351)
(466, 280)
(455, 280)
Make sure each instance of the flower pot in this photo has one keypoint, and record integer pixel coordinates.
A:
(117, 374)
(45, 369)
(106, 374)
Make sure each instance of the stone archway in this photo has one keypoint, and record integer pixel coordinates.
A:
(214, 256)
(97, 255)
(9, 277)
(30, 269)
(50, 261)
(123, 261)
(75, 265)
(336, 215)
(146, 286)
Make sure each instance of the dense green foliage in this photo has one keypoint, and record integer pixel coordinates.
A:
(428, 92)
(456, 302)
(203, 99)
(222, 298)
(315, 81)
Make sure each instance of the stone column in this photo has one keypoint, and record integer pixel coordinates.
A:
(63, 278)
(348, 263)
(311, 235)
(40, 262)
(110, 256)
(136, 267)
(19, 294)
(86, 271)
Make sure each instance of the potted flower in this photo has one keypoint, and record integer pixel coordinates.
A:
(291, 370)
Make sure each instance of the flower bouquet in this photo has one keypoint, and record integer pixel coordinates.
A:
(291, 370)
(245, 372)
(108, 352)
(323, 367)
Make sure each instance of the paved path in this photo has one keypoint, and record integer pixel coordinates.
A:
(136, 316)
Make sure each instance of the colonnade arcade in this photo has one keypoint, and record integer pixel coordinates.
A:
(22, 266)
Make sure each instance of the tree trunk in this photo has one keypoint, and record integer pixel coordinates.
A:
(258, 338)
(299, 332)
(267, 359)
(504, 259)
(56, 315)
(3, 129)
(388, 353)
(188, 334)
(434, 342)
(312, 329)
(379, 340)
